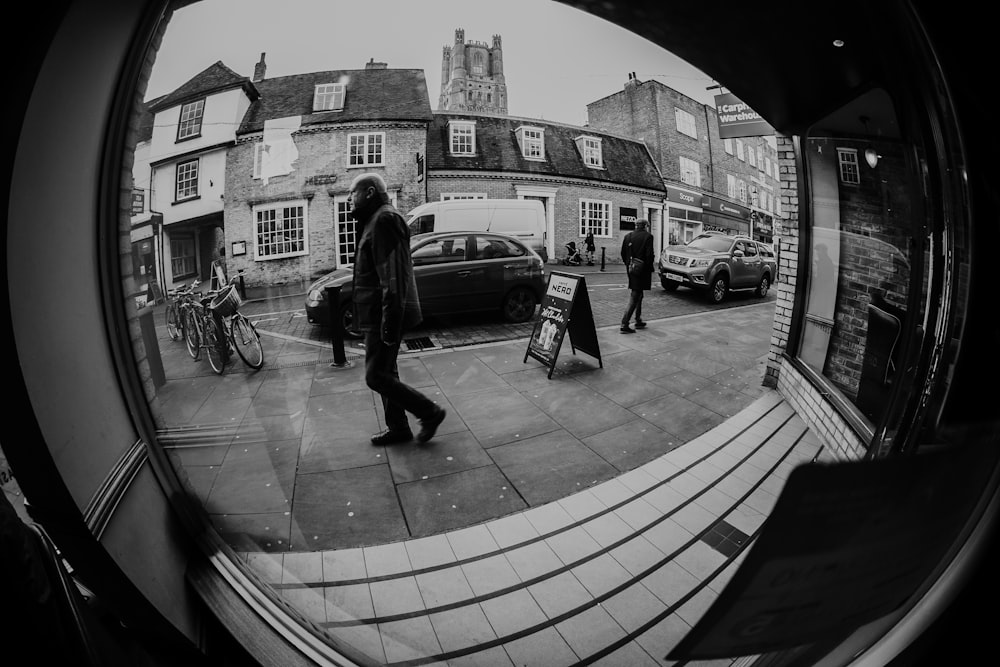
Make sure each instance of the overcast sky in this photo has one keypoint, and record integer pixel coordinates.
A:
(556, 59)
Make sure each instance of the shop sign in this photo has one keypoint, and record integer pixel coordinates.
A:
(737, 119)
(683, 196)
(138, 202)
(726, 208)
(627, 217)
(565, 309)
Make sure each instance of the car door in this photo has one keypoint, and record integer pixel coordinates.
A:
(445, 277)
(504, 263)
(745, 267)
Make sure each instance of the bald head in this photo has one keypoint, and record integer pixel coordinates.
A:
(369, 180)
(642, 223)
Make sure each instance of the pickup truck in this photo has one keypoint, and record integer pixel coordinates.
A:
(716, 263)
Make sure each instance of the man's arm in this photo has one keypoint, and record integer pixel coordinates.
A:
(392, 254)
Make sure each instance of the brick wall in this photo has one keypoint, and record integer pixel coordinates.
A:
(875, 228)
(644, 111)
(319, 176)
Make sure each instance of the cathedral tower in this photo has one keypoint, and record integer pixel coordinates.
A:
(472, 76)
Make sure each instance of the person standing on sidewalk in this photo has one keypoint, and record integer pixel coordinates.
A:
(385, 304)
(588, 244)
(637, 254)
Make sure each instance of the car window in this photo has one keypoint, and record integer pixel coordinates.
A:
(438, 251)
(491, 248)
(765, 251)
(750, 249)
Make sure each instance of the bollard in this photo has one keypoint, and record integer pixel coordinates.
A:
(243, 287)
(602, 258)
(336, 327)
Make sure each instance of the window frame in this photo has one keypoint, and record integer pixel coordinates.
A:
(353, 154)
(846, 166)
(685, 123)
(731, 186)
(449, 196)
(529, 142)
(727, 145)
(586, 221)
(739, 150)
(193, 182)
(458, 129)
(693, 167)
(338, 90)
(257, 232)
(194, 121)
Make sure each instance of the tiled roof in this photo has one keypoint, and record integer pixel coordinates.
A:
(213, 79)
(371, 94)
(625, 161)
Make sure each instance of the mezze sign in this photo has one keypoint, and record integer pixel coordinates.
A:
(736, 119)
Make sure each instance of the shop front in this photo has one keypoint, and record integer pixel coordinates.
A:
(684, 215)
(723, 216)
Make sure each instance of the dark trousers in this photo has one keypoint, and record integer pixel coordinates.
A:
(634, 306)
(382, 376)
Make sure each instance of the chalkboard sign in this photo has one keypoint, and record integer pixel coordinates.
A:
(565, 310)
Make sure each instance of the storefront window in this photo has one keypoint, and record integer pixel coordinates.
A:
(863, 242)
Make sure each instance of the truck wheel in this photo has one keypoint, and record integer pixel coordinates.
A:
(718, 290)
(765, 283)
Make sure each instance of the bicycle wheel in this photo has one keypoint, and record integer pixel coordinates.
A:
(246, 340)
(191, 336)
(215, 342)
(173, 321)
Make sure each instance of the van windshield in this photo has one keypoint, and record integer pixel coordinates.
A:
(421, 224)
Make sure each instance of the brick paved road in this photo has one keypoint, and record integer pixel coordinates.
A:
(285, 315)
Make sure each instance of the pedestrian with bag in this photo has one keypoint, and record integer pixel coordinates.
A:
(637, 254)
(386, 304)
(588, 244)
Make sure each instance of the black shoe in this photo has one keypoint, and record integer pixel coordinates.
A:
(640, 325)
(627, 329)
(391, 437)
(429, 426)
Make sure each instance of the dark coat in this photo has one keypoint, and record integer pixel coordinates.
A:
(639, 244)
(385, 292)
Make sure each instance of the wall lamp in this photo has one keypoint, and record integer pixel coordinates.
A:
(871, 155)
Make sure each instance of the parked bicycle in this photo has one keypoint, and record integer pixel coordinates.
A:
(239, 331)
(174, 314)
(202, 332)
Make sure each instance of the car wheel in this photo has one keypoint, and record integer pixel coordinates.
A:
(668, 285)
(718, 290)
(347, 320)
(765, 283)
(519, 305)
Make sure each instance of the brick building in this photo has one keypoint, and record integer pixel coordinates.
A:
(711, 183)
(586, 180)
(297, 150)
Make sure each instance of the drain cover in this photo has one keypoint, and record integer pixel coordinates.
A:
(423, 343)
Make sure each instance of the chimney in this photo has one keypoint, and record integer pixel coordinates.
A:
(371, 64)
(258, 70)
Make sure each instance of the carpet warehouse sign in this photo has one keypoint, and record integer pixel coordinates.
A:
(736, 119)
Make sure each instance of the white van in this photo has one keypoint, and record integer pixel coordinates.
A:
(521, 218)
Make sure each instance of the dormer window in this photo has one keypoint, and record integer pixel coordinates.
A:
(462, 137)
(189, 124)
(590, 151)
(328, 97)
(532, 140)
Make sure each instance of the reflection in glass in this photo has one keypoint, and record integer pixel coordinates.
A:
(865, 229)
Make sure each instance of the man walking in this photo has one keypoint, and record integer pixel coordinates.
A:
(386, 304)
(637, 254)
